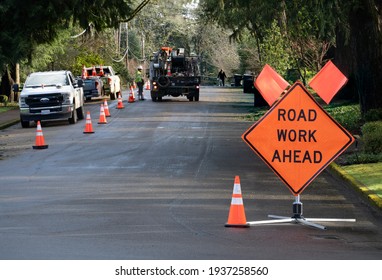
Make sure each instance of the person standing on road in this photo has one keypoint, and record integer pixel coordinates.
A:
(222, 76)
(140, 82)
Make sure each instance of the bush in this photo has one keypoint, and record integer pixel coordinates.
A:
(373, 115)
(4, 99)
(349, 116)
(361, 158)
(372, 137)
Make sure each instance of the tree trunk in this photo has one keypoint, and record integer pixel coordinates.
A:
(344, 60)
(6, 84)
(366, 46)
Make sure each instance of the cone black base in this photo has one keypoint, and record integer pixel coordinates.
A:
(239, 226)
(40, 147)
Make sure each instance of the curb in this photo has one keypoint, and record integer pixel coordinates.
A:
(356, 184)
(8, 124)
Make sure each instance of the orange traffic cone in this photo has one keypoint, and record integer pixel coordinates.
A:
(94, 72)
(147, 85)
(84, 73)
(106, 108)
(101, 72)
(236, 217)
(120, 104)
(88, 124)
(169, 71)
(102, 117)
(40, 142)
(131, 95)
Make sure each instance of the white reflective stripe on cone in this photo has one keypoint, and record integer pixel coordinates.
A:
(236, 189)
(237, 201)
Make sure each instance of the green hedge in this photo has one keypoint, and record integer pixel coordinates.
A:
(349, 116)
(4, 99)
(372, 137)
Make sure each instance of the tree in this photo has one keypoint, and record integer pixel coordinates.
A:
(27, 24)
(354, 26)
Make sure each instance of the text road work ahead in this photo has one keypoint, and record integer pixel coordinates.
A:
(296, 135)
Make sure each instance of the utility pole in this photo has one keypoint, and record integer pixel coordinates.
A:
(127, 45)
(143, 48)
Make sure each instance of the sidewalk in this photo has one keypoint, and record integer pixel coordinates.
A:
(9, 118)
(12, 117)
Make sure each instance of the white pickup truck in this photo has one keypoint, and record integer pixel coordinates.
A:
(51, 95)
(111, 80)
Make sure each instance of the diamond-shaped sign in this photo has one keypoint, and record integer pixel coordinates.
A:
(297, 138)
(270, 84)
(328, 82)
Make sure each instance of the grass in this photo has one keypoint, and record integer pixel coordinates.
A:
(10, 106)
(369, 175)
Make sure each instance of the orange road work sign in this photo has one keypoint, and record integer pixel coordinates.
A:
(297, 138)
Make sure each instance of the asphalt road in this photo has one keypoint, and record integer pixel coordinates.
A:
(156, 182)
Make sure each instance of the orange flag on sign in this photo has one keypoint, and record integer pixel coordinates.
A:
(328, 82)
(270, 84)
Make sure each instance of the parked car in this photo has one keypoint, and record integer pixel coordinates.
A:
(51, 95)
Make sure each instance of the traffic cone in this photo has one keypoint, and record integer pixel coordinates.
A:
(131, 95)
(84, 73)
(147, 85)
(40, 142)
(120, 103)
(101, 72)
(106, 108)
(102, 117)
(94, 72)
(169, 71)
(88, 125)
(236, 217)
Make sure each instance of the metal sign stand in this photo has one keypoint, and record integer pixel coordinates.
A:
(298, 218)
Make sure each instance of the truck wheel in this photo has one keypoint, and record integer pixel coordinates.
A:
(73, 118)
(81, 113)
(24, 124)
(154, 97)
(196, 96)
